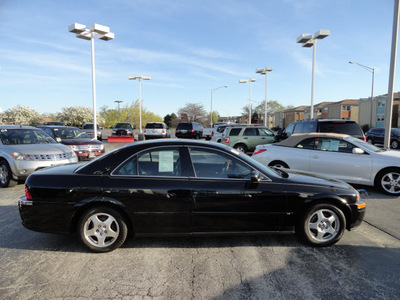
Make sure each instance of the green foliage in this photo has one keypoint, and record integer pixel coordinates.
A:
(194, 112)
(169, 119)
(129, 113)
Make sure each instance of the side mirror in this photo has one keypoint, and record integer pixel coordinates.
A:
(358, 151)
(255, 176)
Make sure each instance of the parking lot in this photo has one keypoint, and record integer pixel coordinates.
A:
(363, 265)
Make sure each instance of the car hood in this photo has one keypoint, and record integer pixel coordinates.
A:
(80, 142)
(37, 148)
(389, 154)
(314, 179)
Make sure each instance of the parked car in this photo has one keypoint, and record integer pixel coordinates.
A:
(192, 130)
(155, 130)
(245, 138)
(377, 136)
(84, 146)
(322, 125)
(216, 134)
(122, 129)
(89, 129)
(184, 187)
(335, 156)
(53, 123)
(25, 149)
(208, 131)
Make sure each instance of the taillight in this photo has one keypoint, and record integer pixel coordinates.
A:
(259, 151)
(192, 130)
(364, 138)
(144, 131)
(163, 131)
(227, 139)
(212, 133)
(27, 194)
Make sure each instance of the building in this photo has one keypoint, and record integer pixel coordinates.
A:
(345, 109)
(320, 111)
(372, 114)
(293, 114)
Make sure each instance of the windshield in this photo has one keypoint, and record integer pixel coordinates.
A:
(123, 125)
(24, 137)
(90, 126)
(363, 144)
(71, 133)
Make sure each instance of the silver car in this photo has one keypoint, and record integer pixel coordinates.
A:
(337, 156)
(89, 129)
(25, 149)
(155, 130)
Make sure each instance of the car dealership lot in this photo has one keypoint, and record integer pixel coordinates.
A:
(364, 264)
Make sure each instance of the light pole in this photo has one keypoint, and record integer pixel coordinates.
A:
(139, 77)
(118, 101)
(308, 40)
(104, 34)
(249, 81)
(211, 112)
(372, 70)
(265, 72)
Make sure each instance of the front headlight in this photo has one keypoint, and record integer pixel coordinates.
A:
(20, 156)
(73, 147)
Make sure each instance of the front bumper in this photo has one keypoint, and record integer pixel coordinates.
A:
(87, 154)
(357, 214)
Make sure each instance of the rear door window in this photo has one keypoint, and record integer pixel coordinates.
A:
(235, 131)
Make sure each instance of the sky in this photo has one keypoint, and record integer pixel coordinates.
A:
(189, 48)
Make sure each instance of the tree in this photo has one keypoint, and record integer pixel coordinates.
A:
(77, 115)
(169, 119)
(21, 115)
(193, 112)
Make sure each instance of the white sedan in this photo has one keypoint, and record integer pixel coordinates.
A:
(337, 156)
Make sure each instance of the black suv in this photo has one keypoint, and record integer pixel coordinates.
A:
(322, 125)
(377, 136)
(192, 130)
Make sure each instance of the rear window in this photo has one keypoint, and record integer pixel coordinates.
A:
(184, 126)
(89, 126)
(350, 128)
(154, 126)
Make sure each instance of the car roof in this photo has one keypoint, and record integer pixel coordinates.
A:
(57, 126)
(296, 138)
(17, 127)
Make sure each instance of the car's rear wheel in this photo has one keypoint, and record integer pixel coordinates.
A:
(102, 229)
(241, 147)
(6, 179)
(322, 225)
(394, 144)
(388, 181)
(278, 164)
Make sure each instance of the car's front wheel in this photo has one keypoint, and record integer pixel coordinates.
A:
(322, 225)
(388, 181)
(369, 141)
(6, 179)
(278, 164)
(102, 229)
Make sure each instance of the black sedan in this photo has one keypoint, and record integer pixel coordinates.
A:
(184, 187)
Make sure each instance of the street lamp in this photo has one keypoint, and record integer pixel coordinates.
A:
(211, 112)
(265, 72)
(249, 81)
(372, 70)
(308, 40)
(139, 77)
(104, 34)
(118, 101)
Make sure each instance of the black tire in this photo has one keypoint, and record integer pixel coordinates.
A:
(388, 181)
(99, 235)
(322, 225)
(278, 164)
(369, 141)
(394, 144)
(241, 147)
(6, 179)
(197, 137)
